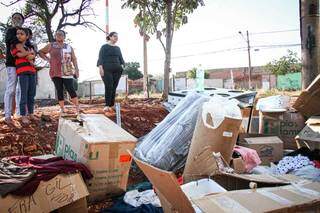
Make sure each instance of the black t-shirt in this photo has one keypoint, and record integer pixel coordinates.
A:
(110, 56)
(11, 37)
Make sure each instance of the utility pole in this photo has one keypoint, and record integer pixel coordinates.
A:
(249, 54)
(107, 17)
(145, 60)
(310, 40)
(249, 58)
(145, 66)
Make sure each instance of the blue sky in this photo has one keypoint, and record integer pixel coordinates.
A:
(207, 39)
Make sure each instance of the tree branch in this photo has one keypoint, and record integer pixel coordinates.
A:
(155, 27)
(10, 4)
(175, 9)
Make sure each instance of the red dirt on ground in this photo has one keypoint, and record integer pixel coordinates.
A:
(138, 117)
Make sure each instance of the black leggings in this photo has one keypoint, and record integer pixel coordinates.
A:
(111, 80)
(68, 85)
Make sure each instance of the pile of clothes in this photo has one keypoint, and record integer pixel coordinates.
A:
(303, 163)
(140, 198)
(21, 175)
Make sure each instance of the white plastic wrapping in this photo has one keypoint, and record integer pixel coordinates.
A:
(167, 145)
(273, 103)
(219, 108)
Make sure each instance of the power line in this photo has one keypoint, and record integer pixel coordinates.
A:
(271, 32)
(232, 49)
(230, 37)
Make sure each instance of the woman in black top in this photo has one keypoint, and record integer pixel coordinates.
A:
(110, 64)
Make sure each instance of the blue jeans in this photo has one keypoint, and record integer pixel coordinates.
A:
(28, 91)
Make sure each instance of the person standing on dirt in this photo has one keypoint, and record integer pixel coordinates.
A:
(26, 72)
(63, 68)
(17, 20)
(110, 65)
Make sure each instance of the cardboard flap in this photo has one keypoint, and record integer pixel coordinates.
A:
(205, 163)
(265, 178)
(308, 102)
(314, 120)
(264, 140)
(167, 184)
(300, 198)
(98, 128)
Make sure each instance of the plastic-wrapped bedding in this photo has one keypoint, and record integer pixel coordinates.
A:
(167, 145)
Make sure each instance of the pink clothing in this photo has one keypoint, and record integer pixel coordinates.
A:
(249, 156)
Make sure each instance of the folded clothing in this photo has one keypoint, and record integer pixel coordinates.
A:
(46, 169)
(249, 156)
(12, 177)
(289, 164)
(308, 172)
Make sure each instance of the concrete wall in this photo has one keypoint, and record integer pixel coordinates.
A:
(183, 83)
(45, 87)
(97, 87)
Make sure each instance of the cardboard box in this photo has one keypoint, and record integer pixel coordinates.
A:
(301, 197)
(308, 102)
(220, 139)
(311, 133)
(173, 197)
(285, 125)
(102, 146)
(238, 165)
(269, 149)
(50, 195)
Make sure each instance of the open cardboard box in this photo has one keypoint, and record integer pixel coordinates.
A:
(173, 197)
(208, 167)
(66, 191)
(311, 133)
(308, 102)
(297, 195)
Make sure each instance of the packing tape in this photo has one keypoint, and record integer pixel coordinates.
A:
(228, 204)
(300, 190)
(275, 197)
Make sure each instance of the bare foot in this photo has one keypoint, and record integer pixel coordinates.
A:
(25, 120)
(32, 117)
(8, 121)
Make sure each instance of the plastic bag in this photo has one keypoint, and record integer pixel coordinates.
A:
(167, 145)
(218, 113)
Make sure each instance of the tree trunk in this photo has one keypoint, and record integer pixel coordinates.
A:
(167, 62)
(145, 67)
(49, 31)
(310, 40)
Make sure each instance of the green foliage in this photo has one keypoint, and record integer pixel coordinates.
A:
(152, 14)
(289, 63)
(46, 16)
(132, 70)
(193, 73)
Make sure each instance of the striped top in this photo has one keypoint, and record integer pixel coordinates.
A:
(23, 65)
